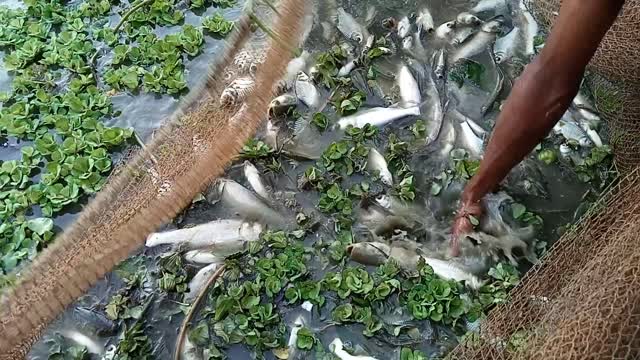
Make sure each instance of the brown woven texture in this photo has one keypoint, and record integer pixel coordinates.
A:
(616, 83)
(583, 300)
(186, 155)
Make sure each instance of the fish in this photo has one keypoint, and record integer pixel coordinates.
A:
(373, 254)
(498, 6)
(479, 42)
(199, 280)
(252, 175)
(472, 140)
(404, 27)
(298, 323)
(571, 131)
(467, 19)
(81, 339)
(347, 68)
(96, 319)
(448, 139)
(529, 27)
(446, 31)
(244, 202)
(505, 47)
(307, 92)
(592, 134)
(369, 253)
(190, 351)
(496, 90)
(237, 91)
(350, 28)
(462, 34)
(377, 116)
(440, 64)
(202, 256)
(379, 220)
(425, 22)
(377, 163)
(337, 348)
(282, 104)
(581, 101)
(212, 234)
(437, 111)
(295, 67)
(409, 90)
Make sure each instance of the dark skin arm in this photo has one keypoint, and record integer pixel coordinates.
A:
(539, 98)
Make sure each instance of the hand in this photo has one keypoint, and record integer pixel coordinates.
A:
(462, 223)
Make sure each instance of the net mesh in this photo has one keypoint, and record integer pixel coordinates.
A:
(582, 301)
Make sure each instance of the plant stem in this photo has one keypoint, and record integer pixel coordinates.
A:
(270, 4)
(192, 310)
(124, 18)
(144, 147)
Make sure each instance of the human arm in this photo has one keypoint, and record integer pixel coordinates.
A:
(538, 99)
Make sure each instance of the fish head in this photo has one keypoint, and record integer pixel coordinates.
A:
(445, 30)
(499, 57)
(298, 322)
(468, 19)
(369, 253)
(407, 43)
(384, 201)
(493, 26)
(281, 104)
(336, 345)
(565, 150)
(249, 167)
(389, 23)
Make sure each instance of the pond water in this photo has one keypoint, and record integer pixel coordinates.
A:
(146, 112)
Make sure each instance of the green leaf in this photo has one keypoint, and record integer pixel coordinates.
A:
(548, 156)
(40, 226)
(217, 25)
(199, 335)
(342, 313)
(518, 210)
(320, 120)
(305, 340)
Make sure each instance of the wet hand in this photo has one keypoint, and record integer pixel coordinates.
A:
(466, 218)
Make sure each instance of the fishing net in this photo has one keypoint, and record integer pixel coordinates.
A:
(582, 301)
(188, 152)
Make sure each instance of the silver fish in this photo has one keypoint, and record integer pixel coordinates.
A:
(252, 175)
(408, 258)
(472, 141)
(282, 104)
(96, 319)
(295, 67)
(571, 131)
(479, 42)
(496, 90)
(530, 29)
(498, 6)
(242, 201)
(437, 112)
(347, 68)
(404, 27)
(425, 22)
(592, 134)
(198, 281)
(308, 93)
(380, 221)
(81, 339)
(440, 64)
(377, 116)
(448, 139)
(377, 163)
(216, 255)
(337, 348)
(190, 351)
(462, 34)
(298, 324)
(200, 236)
(467, 19)
(582, 102)
(350, 28)
(409, 90)
(446, 31)
(505, 47)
